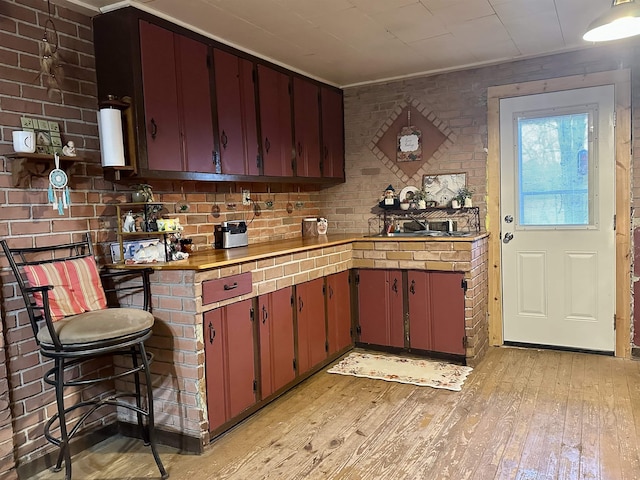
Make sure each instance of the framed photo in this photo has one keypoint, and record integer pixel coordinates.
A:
(48, 139)
(444, 187)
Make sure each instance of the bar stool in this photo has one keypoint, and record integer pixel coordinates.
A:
(67, 306)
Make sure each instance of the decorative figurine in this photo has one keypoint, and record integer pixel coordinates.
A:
(129, 223)
(389, 198)
(69, 150)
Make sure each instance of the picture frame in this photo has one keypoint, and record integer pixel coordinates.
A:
(47, 132)
(444, 187)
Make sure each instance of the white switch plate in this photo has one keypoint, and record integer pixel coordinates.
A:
(246, 197)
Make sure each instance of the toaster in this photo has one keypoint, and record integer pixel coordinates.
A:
(230, 235)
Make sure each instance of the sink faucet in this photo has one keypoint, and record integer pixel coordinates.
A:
(419, 222)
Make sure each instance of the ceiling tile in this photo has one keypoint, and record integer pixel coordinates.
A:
(411, 23)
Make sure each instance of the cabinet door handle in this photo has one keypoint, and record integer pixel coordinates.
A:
(265, 314)
(300, 304)
(212, 332)
(412, 288)
(326, 152)
(224, 140)
(267, 144)
(394, 287)
(330, 292)
(231, 287)
(154, 129)
(299, 149)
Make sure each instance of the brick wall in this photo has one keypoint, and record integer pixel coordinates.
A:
(458, 100)
(28, 220)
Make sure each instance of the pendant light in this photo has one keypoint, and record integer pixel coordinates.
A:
(621, 21)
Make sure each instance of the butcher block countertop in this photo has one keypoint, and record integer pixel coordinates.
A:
(210, 258)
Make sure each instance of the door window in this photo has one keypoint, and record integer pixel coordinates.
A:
(555, 167)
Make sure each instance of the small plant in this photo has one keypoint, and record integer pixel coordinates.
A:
(422, 194)
(464, 193)
(145, 190)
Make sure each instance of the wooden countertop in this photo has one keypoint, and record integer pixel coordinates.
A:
(210, 258)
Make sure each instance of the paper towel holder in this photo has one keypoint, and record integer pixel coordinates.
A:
(124, 105)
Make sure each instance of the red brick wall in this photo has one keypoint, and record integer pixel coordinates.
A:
(27, 218)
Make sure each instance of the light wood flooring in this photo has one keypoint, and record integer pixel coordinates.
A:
(522, 414)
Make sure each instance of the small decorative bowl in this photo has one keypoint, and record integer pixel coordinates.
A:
(404, 206)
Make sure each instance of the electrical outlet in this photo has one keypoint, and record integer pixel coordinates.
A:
(246, 197)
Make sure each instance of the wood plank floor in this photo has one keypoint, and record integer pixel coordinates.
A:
(522, 414)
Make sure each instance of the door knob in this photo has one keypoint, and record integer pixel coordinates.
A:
(507, 237)
(508, 218)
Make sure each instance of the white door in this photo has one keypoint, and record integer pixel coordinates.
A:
(557, 218)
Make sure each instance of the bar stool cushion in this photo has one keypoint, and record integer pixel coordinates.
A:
(98, 325)
(62, 301)
(76, 286)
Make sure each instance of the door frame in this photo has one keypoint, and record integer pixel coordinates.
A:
(621, 79)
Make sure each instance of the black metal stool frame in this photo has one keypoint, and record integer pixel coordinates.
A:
(66, 357)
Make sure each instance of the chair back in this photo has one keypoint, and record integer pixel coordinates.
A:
(19, 257)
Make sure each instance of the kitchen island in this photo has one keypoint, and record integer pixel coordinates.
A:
(196, 304)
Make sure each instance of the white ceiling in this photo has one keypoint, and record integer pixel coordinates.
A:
(348, 42)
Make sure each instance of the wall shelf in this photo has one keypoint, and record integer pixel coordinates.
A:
(37, 165)
(468, 218)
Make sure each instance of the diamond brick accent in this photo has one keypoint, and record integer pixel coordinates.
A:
(436, 138)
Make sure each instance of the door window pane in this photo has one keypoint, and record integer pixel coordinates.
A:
(554, 169)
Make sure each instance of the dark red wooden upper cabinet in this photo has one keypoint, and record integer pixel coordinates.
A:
(177, 101)
(237, 138)
(306, 114)
(275, 122)
(332, 133)
(164, 148)
(195, 101)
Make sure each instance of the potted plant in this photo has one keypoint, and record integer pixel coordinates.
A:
(464, 197)
(142, 193)
(422, 197)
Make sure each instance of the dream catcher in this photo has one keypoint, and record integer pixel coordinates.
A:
(58, 189)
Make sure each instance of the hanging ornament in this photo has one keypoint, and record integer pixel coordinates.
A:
(58, 189)
(409, 142)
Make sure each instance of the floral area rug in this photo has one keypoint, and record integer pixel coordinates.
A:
(425, 373)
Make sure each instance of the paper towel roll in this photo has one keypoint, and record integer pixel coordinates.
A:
(111, 140)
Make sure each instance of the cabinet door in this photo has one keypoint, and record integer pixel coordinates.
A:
(447, 310)
(332, 134)
(240, 356)
(229, 361)
(195, 104)
(380, 307)
(276, 340)
(215, 368)
(160, 98)
(420, 310)
(306, 114)
(236, 107)
(275, 122)
(338, 296)
(312, 332)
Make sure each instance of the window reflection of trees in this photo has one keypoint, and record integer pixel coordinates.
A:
(554, 170)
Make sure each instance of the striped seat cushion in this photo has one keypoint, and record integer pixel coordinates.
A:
(76, 286)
